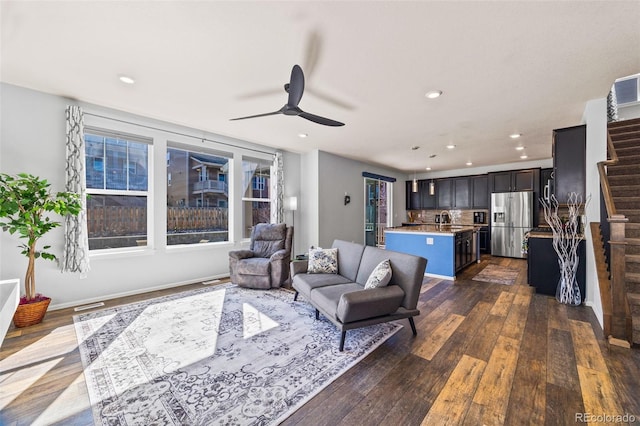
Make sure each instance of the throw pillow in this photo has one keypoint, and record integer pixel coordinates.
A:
(380, 276)
(323, 261)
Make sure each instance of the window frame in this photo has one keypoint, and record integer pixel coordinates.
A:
(174, 143)
(108, 131)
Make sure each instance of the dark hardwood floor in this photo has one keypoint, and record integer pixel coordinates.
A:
(485, 353)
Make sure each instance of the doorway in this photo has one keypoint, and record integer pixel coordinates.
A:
(377, 210)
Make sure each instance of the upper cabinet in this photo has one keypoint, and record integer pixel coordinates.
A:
(444, 193)
(420, 200)
(569, 158)
(515, 180)
(413, 198)
(480, 192)
(462, 193)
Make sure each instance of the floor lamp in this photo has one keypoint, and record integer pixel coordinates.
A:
(292, 204)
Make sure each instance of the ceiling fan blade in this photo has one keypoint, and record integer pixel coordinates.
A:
(330, 99)
(312, 52)
(320, 120)
(260, 93)
(296, 86)
(257, 115)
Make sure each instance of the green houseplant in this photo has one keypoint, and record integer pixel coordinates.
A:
(25, 204)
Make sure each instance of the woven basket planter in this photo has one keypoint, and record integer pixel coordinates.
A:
(30, 313)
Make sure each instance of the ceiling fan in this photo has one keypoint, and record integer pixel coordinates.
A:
(312, 53)
(295, 89)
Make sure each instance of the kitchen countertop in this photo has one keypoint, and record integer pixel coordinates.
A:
(433, 229)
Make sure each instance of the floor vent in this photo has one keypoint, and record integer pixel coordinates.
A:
(91, 306)
(210, 282)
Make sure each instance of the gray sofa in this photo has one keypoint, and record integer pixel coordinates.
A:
(342, 298)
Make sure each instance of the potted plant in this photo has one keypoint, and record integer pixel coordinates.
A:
(25, 202)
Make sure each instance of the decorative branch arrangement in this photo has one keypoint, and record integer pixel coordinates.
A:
(566, 238)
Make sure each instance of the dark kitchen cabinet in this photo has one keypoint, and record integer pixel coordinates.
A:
(462, 193)
(453, 193)
(427, 201)
(569, 159)
(480, 192)
(515, 180)
(444, 193)
(485, 244)
(543, 271)
(420, 200)
(463, 250)
(412, 198)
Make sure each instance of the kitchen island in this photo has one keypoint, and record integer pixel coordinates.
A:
(447, 248)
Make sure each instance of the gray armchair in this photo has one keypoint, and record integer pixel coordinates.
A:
(266, 264)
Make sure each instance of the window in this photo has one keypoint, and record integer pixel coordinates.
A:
(627, 90)
(256, 201)
(197, 198)
(117, 184)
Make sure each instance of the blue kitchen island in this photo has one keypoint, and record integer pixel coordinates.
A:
(448, 249)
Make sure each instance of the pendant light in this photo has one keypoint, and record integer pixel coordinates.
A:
(414, 184)
(432, 187)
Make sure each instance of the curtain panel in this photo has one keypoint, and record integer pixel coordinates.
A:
(277, 189)
(75, 256)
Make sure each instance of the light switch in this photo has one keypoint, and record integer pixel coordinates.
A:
(429, 241)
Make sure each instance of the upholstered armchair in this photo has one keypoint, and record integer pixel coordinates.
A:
(266, 263)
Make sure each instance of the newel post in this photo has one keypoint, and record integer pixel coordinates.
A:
(620, 315)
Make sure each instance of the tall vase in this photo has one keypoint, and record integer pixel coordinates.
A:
(568, 291)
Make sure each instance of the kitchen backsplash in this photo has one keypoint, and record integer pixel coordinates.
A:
(429, 216)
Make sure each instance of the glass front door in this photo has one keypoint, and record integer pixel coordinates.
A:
(377, 194)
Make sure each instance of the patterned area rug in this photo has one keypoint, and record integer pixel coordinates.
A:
(220, 355)
(497, 274)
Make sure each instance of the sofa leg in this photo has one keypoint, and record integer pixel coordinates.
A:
(295, 297)
(317, 314)
(413, 326)
(342, 337)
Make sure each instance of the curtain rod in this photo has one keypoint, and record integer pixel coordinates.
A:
(177, 133)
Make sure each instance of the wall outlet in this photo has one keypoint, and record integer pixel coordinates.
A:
(429, 241)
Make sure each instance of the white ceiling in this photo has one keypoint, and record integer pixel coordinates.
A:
(504, 67)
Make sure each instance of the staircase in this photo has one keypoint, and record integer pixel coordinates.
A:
(624, 180)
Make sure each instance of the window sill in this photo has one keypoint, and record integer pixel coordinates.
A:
(120, 253)
(180, 248)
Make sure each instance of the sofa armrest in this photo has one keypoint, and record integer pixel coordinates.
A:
(299, 267)
(369, 303)
(278, 255)
(241, 254)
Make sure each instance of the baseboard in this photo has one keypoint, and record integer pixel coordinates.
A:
(444, 277)
(59, 306)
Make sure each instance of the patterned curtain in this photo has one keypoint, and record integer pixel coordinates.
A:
(75, 257)
(277, 189)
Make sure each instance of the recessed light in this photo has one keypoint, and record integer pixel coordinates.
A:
(415, 147)
(451, 146)
(302, 135)
(519, 148)
(126, 79)
(469, 163)
(524, 156)
(433, 94)
(515, 135)
(428, 168)
(432, 156)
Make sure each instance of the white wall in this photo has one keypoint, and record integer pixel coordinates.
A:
(595, 117)
(337, 176)
(32, 140)
(628, 111)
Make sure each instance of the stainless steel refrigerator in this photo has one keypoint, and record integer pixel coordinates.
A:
(511, 218)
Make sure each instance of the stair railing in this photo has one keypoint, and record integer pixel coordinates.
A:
(614, 293)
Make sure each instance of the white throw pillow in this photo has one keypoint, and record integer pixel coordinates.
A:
(380, 276)
(323, 261)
